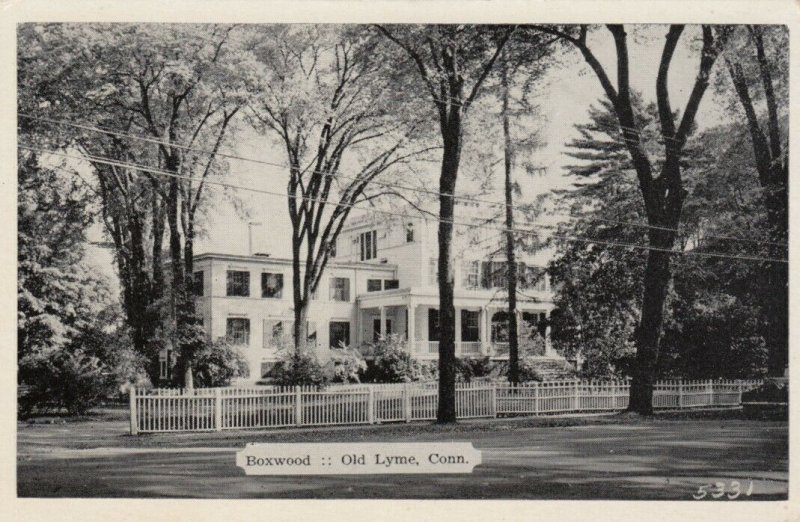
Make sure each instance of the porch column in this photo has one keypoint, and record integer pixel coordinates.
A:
(458, 331)
(483, 331)
(383, 321)
(412, 338)
(487, 329)
(359, 335)
(548, 347)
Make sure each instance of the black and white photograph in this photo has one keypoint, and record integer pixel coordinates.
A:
(376, 259)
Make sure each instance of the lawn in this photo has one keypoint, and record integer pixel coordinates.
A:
(589, 457)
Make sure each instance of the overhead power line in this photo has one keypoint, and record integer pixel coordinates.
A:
(468, 199)
(114, 163)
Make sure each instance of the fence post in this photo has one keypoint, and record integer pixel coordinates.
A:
(371, 406)
(710, 392)
(613, 385)
(406, 403)
(577, 399)
(536, 399)
(494, 399)
(680, 393)
(298, 406)
(217, 409)
(135, 415)
(740, 393)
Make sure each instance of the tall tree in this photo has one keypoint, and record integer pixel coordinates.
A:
(758, 70)
(178, 87)
(662, 193)
(452, 61)
(712, 320)
(523, 61)
(327, 99)
(55, 288)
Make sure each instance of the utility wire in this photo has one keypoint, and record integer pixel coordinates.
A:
(115, 163)
(469, 199)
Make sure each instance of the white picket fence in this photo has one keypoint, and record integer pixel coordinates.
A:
(215, 409)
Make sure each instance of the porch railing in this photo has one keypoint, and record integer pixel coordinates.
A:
(499, 348)
(462, 348)
(469, 347)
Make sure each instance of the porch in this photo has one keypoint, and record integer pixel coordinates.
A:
(481, 328)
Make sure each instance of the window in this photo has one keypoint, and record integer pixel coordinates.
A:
(376, 328)
(271, 285)
(391, 284)
(197, 283)
(410, 233)
(340, 289)
(499, 332)
(433, 271)
(470, 331)
(339, 333)
(541, 284)
(470, 274)
(532, 277)
(493, 274)
(238, 283)
(373, 285)
(369, 245)
(433, 324)
(238, 331)
(277, 332)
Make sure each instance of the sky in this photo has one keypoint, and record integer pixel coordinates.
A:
(567, 92)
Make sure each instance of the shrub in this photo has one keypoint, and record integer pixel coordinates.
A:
(73, 381)
(345, 365)
(113, 346)
(770, 391)
(527, 372)
(217, 364)
(473, 367)
(298, 368)
(393, 363)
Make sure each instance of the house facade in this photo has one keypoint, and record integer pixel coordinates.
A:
(380, 280)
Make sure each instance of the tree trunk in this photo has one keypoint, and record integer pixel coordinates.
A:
(511, 264)
(178, 283)
(777, 306)
(299, 331)
(657, 276)
(297, 296)
(447, 314)
(158, 245)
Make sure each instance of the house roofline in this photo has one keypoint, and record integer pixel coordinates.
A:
(286, 261)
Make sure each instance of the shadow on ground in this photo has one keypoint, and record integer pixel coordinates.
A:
(666, 457)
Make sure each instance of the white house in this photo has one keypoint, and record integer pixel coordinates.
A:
(380, 280)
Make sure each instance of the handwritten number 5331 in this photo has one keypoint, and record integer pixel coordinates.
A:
(720, 489)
